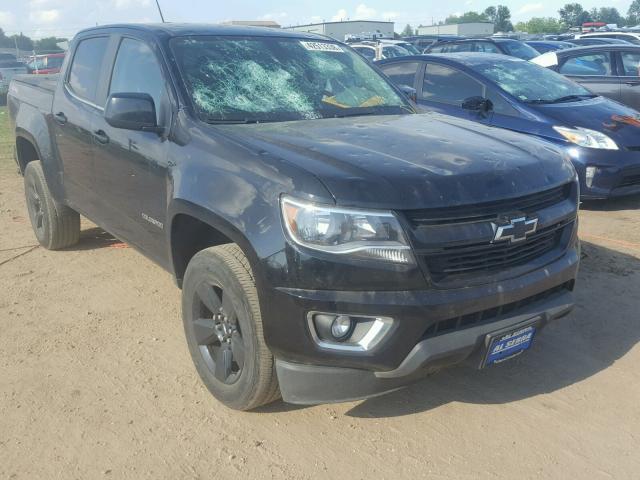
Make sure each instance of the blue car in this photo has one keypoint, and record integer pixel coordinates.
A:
(601, 136)
(544, 46)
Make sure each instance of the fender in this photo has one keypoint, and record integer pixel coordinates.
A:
(31, 125)
(185, 207)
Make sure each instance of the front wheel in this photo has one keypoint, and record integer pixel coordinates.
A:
(223, 326)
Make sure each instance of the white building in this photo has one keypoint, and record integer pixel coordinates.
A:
(339, 30)
(476, 29)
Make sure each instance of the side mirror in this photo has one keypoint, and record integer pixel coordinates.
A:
(478, 104)
(132, 111)
(410, 92)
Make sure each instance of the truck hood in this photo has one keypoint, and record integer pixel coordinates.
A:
(411, 161)
(617, 121)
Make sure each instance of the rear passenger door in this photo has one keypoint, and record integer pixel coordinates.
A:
(444, 88)
(75, 103)
(595, 70)
(629, 70)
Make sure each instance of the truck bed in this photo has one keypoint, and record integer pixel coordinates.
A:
(34, 90)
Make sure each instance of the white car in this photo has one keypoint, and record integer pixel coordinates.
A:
(630, 37)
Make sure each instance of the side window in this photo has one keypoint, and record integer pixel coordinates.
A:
(136, 70)
(500, 105)
(486, 47)
(629, 38)
(368, 53)
(85, 69)
(402, 73)
(462, 47)
(448, 85)
(439, 49)
(631, 64)
(588, 64)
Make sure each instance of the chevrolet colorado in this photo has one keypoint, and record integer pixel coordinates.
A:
(330, 243)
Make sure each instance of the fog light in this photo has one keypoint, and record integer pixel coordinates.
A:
(341, 327)
(589, 174)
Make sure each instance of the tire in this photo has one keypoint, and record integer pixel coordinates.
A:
(223, 326)
(55, 225)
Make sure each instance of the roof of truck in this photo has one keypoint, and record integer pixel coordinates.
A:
(184, 29)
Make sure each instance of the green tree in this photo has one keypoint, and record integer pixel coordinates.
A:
(408, 31)
(607, 15)
(467, 17)
(500, 16)
(541, 25)
(22, 41)
(633, 14)
(48, 44)
(573, 15)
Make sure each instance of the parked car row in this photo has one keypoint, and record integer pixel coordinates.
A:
(601, 136)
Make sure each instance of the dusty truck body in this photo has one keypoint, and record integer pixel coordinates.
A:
(331, 244)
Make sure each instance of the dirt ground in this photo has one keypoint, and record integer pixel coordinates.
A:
(96, 381)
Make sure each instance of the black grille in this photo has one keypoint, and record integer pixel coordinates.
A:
(630, 181)
(490, 315)
(488, 257)
(486, 211)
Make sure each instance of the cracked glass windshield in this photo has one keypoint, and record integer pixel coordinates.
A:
(266, 79)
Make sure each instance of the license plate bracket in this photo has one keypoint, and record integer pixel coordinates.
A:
(510, 342)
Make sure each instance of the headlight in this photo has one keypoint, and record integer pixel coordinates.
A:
(346, 231)
(587, 138)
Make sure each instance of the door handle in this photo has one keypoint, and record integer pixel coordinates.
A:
(60, 117)
(632, 83)
(101, 137)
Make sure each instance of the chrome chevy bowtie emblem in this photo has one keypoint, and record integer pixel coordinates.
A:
(515, 230)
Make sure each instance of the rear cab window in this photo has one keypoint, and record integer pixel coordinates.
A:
(84, 74)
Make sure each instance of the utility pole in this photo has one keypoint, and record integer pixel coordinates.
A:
(15, 42)
(160, 11)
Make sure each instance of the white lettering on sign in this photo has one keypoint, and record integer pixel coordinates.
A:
(321, 47)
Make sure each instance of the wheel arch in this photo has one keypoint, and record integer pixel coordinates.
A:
(193, 228)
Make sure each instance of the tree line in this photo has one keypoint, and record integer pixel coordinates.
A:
(571, 15)
(25, 43)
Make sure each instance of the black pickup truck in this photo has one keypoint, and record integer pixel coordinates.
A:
(330, 243)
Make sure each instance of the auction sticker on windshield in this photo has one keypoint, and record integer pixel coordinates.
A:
(321, 47)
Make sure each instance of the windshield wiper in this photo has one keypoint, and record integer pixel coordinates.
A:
(223, 121)
(566, 98)
(354, 114)
(570, 98)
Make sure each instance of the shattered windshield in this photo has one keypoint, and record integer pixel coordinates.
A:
(260, 79)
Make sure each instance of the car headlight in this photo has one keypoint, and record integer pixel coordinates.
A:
(345, 231)
(587, 138)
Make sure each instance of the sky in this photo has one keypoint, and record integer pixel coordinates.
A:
(43, 18)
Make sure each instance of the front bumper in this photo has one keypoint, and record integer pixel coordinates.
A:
(311, 384)
(421, 339)
(617, 174)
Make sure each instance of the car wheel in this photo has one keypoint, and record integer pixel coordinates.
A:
(223, 326)
(54, 224)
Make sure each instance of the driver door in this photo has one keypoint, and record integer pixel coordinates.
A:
(445, 88)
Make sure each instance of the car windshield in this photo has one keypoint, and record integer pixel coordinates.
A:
(410, 48)
(519, 49)
(266, 79)
(393, 51)
(531, 83)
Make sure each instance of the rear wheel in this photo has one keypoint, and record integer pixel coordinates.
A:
(54, 224)
(223, 326)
